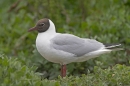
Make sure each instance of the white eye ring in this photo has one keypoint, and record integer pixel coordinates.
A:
(42, 24)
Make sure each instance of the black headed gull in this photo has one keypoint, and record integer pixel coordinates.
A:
(66, 48)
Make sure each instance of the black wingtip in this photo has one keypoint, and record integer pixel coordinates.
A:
(113, 46)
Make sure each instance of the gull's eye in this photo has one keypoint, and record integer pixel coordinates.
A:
(42, 24)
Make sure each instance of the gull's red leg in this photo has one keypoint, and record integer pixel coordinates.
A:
(63, 70)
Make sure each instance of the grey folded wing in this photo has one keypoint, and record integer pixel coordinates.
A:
(75, 45)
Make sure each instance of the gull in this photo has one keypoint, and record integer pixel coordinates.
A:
(66, 48)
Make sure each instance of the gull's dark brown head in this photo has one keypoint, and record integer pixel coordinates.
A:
(41, 26)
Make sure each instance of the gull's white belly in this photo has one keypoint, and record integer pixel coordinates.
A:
(51, 54)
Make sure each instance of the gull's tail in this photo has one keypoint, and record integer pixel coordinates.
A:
(113, 47)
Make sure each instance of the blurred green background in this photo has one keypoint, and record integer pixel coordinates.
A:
(107, 21)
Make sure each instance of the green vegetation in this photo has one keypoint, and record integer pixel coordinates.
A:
(15, 73)
(107, 21)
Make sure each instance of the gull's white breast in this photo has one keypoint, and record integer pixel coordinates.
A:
(43, 44)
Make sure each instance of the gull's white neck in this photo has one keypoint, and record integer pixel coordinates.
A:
(51, 29)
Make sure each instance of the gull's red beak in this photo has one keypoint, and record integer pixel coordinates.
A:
(32, 29)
